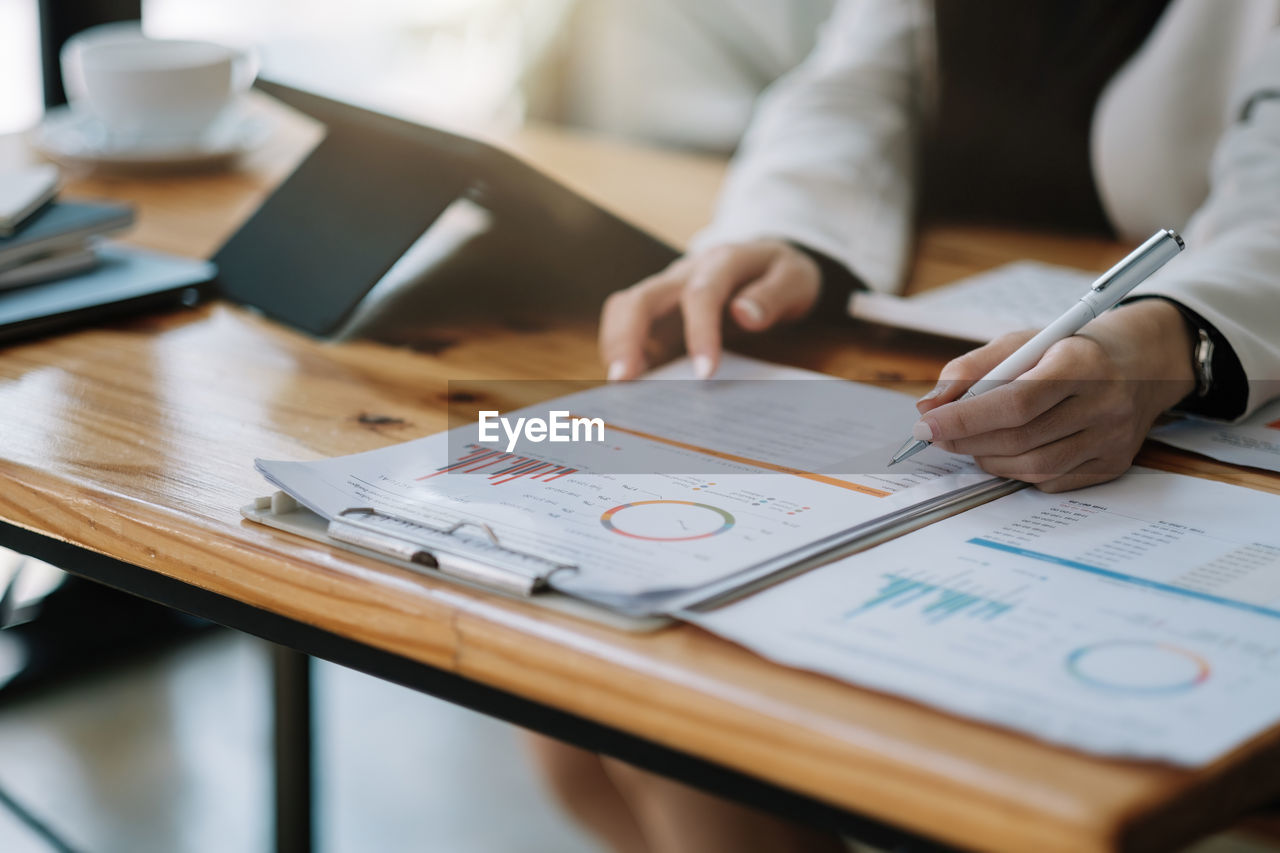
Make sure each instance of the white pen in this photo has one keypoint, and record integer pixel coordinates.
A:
(1113, 286)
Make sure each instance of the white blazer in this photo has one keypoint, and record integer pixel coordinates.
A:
(828, 159)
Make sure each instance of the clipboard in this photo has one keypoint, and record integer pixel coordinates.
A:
(473, 554)
(463, 554)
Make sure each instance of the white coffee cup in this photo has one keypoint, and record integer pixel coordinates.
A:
(148, 91)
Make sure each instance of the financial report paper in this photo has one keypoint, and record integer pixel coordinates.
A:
(1254, 442)
(1139, 618)
(695, 482)
(982, 307)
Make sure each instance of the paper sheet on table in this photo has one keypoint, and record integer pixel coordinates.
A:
(1254, 442)
(676, 498)
(980, 308)
(1139, 618)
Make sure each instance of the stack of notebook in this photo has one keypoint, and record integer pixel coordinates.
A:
(56, 271)
(42, 239)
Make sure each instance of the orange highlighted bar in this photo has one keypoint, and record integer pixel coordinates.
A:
(782, 469)
(1274, 425)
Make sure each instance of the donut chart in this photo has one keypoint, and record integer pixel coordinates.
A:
(667, 520)
(1138, 667)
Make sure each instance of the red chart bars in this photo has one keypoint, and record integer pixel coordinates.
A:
(502, 467)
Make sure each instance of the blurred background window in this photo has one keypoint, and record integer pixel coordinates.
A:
(20, 98)
(670, 72)
(450, 61)
(676, 72)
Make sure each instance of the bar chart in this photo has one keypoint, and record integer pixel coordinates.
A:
(934, 602)
(502, 468)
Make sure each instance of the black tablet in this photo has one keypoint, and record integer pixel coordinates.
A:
(474, 231)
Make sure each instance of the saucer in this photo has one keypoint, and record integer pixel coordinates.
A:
(75, 138)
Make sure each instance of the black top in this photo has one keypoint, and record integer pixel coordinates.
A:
(1018, 81)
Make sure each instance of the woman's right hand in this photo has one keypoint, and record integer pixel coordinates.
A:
(761, 283)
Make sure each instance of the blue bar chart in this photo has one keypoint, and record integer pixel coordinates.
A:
(934, 602)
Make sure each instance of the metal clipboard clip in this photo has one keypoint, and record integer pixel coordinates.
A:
(484, 561)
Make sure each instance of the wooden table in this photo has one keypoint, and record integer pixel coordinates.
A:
(128, 449)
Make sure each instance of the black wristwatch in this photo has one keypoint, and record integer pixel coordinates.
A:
(1222, 390)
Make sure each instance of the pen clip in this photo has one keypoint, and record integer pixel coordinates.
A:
(1142, 261)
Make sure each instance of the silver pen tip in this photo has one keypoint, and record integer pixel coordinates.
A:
(911, 448)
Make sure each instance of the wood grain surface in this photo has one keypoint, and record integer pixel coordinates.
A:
(137, 440)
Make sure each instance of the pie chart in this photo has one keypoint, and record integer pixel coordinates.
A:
(667, 520)
(1137, 667)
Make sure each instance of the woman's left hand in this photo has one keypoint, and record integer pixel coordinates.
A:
(1080, 415)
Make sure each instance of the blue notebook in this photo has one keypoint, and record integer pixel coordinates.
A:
(60, 225)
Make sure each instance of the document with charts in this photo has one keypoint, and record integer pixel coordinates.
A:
(1254, 442)
(1138, 618)
(696, 481)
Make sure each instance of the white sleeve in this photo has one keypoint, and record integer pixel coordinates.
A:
(828, 161)
(1230, 272)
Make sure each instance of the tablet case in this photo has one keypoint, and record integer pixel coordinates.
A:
(375, 187)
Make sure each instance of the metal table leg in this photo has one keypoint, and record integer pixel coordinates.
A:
(291, 681)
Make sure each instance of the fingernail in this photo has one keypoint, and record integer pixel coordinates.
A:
(922, 431)
(617, 370)
(702, 366)
(751, 309)
(937, 389)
